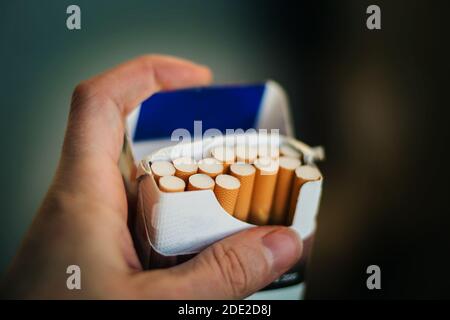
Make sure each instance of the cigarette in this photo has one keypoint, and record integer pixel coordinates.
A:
(302, 175)
(171, 184)
(246, 175)
(246, 153)
(288, 151)
(184, 168)
(200, 181)
(225, 155)
(210, 166)
(226, 191)
(263, 190)
(283, 189)
(162, 168)
(268, 150)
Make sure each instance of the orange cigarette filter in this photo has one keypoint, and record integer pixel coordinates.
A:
(200, 181)
(283, 190)
(210, 166)
(263, 190)
(225, 155)
(162, 168)
(245, 173)
(171, 184)
(185, 167)
(246, 153)
(302, 175)
(226, 191)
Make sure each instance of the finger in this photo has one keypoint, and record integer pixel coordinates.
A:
(95, 128)
(100, 104)
(230, 269)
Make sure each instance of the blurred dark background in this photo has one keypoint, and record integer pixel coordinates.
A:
(376, 100)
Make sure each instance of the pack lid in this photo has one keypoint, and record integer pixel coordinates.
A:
(244, 106)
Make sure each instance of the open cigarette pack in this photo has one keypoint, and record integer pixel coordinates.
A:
(265, 176)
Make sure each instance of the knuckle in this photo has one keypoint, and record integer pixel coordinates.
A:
(87, 98)
(81, 92)
(147, 63)
(232, 268)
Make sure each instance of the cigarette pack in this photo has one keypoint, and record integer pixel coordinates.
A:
(170, 228)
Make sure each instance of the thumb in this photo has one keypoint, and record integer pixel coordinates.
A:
(234, 267)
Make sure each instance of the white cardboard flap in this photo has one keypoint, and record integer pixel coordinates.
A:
(307, 207)
(151, 125)
(187, 222)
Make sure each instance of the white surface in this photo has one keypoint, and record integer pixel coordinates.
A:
(307, 207)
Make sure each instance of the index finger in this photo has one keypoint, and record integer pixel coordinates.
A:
(100, 104)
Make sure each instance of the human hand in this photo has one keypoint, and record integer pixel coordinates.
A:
(83, 218)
